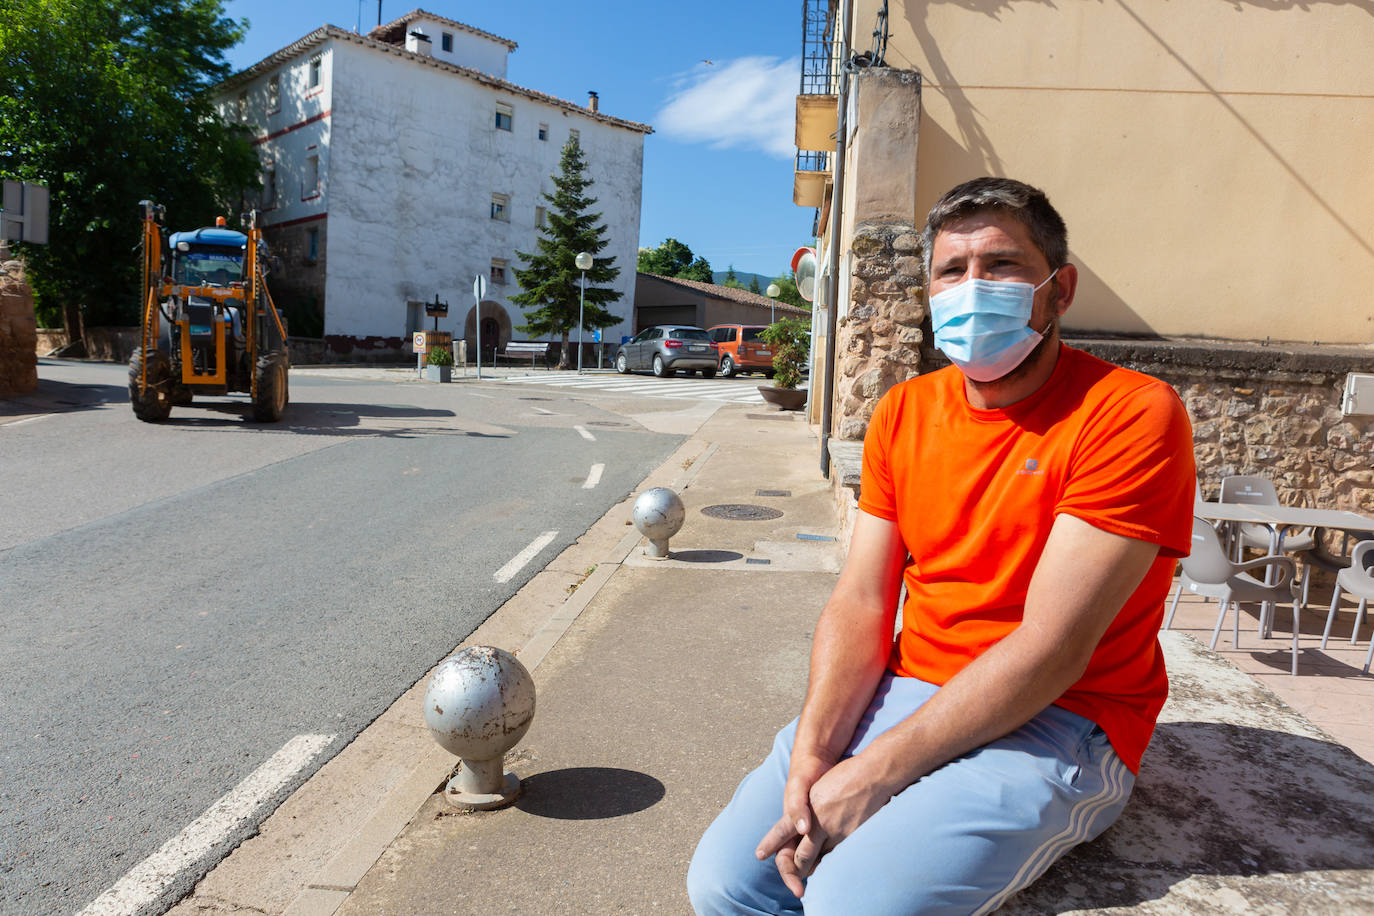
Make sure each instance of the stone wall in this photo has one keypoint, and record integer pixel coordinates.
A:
(878, 339)
(18, 330)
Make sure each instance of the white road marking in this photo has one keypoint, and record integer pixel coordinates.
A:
(547, 413)
(507, 572)
(582, 431)
(593, 476)
(145, 881)
(643, 386)
(45, 416)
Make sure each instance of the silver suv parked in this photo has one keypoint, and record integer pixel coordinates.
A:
(666, 348)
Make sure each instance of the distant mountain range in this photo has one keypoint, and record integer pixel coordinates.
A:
(718, 277)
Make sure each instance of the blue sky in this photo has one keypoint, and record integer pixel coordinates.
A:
(717, 170)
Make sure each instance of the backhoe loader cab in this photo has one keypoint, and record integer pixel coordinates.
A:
(209, 324)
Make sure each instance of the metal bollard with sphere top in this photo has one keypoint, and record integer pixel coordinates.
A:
(658, 514)
(479, 704)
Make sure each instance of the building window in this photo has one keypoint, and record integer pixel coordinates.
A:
(312, 239)
(311, 186)
(498, 270)
(242, 106)
(269, 188)
(315, 73)
(505, 116)
(543, 131)
(575, 136)
(500, 207)
(540, 217)
(446, 41)
(274, 94)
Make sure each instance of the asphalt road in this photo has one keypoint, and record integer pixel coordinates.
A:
(179, 602)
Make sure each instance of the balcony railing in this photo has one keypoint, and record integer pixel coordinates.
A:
(811, 161)
(820, 66)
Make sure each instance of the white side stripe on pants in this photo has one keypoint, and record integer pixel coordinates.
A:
(1076, 831)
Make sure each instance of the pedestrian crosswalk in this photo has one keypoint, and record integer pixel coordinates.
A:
(734, 391)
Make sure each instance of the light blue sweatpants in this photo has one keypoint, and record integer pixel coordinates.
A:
(960, 840)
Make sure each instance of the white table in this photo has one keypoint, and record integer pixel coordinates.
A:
(1278, 519)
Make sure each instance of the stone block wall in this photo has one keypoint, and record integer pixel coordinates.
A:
(878, 341)
(18, 330)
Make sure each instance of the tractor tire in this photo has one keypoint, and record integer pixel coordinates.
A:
(155, 405)
(270, 403)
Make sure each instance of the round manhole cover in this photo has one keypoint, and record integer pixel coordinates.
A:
(742, 512)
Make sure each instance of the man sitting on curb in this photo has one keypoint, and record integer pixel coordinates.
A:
(1033, 499)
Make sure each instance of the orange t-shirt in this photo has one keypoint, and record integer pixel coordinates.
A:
(974, 493)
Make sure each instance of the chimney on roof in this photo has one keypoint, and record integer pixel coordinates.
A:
(420, 43)
(592, 103)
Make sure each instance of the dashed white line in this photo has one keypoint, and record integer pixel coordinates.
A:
(582, 431)
(145, 881)
(547, 413)
(505, 573)
(593, 476)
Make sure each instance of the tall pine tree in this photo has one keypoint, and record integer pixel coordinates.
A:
(551, 284)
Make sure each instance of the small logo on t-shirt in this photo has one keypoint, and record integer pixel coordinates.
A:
(1032, 467)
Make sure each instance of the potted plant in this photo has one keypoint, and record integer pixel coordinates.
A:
(439, 365)
(789, 339)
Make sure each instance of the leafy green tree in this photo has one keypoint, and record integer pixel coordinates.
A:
(551, 284)
(731, 280)
(699, 270)
(674, 259)
(754, 285)
(109, 102)
(787, 291)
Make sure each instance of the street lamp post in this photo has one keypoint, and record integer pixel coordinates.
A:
(772, 291)
(584, 264)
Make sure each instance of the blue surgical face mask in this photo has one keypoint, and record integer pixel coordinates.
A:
(982, 326)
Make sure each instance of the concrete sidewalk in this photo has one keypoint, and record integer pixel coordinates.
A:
(661, 683)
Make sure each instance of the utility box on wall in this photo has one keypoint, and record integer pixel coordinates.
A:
(1358, 400)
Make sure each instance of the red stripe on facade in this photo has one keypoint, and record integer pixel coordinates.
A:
(286, 130)
(296, 222)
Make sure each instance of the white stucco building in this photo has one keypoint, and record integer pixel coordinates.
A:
(401, 164)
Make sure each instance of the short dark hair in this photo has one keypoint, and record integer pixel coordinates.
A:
(1024, 203)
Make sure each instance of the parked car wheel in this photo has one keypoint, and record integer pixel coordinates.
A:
(727, 366)
(621, 365)
(708, 373)
(661, 370)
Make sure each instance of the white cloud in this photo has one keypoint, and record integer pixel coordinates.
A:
(749, 103)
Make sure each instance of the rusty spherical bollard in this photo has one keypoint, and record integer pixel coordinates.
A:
(658, 514)
(479, 704)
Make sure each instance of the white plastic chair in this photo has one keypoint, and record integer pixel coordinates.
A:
(1207, 571)
(1259, 491)
(1358, 580)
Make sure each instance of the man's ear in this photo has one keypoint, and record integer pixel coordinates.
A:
(1066, 284)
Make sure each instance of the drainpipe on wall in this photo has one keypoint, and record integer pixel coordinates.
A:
(836, 208)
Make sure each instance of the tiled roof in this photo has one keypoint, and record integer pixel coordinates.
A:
(395, 30)
(734, 295)
(325, 32)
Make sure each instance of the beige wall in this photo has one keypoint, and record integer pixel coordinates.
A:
(1211, 157)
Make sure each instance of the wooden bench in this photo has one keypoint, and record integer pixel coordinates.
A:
(534, 348)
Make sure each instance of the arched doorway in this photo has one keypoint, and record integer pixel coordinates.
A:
(496, 329)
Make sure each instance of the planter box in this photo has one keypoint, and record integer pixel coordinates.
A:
(438, 373)
(784, 398)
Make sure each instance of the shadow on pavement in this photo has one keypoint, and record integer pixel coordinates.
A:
(1249, 813)
(589, 793)
(62, 397)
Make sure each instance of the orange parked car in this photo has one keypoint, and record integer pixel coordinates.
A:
(741, 350)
